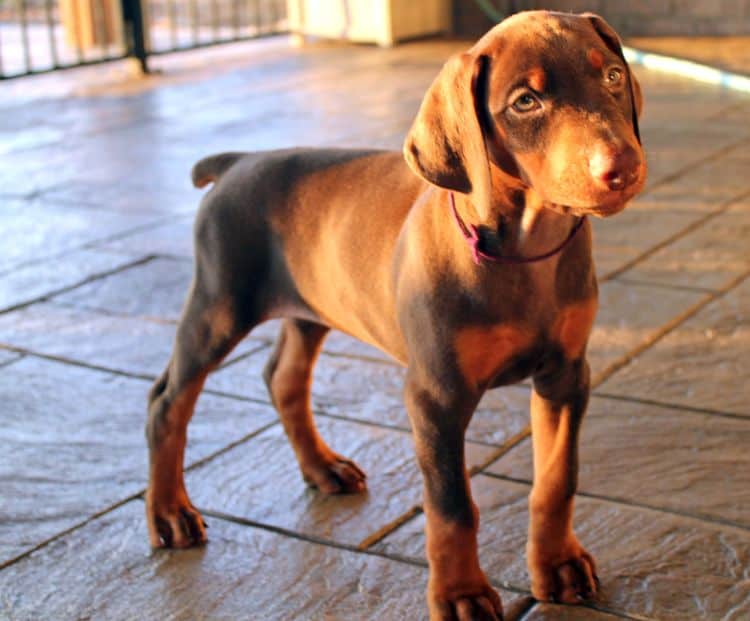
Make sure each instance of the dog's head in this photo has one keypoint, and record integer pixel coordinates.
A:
(544, 97)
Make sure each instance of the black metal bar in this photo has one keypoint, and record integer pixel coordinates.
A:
(22, 22)
(194, 15)
(51, 30)
(236, 18)
(173, 23)
(132, 13)
(2, 73)
(135, 34)
(214, 19)
(258, 20)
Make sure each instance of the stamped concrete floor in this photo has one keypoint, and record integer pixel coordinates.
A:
(96, 213)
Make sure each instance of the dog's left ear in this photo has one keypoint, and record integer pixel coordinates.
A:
(445, 144)
(609, 36)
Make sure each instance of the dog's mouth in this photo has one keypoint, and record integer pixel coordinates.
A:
(610, 204)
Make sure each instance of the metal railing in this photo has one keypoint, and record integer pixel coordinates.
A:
(37, 36)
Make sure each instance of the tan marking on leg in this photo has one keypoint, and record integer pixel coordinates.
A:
(483, 352)
(573, 326)
(221, 319)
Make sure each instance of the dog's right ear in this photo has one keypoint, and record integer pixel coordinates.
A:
(446, 144)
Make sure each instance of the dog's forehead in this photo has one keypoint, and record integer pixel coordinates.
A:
(538, 43)
(535, 29)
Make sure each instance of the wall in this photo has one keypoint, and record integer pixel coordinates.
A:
(629, 17)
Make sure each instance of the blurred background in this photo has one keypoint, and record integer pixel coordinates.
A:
(43, 35)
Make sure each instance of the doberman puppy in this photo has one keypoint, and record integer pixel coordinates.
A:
(469, 263)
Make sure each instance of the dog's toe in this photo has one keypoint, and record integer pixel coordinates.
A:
(336, 475)
(181, 527)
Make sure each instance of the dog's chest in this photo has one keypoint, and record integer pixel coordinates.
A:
(511, 350)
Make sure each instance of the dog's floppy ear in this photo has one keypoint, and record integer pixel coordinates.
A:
(445, 144)
(609, 36)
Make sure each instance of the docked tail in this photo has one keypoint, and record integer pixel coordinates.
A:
(212, 167)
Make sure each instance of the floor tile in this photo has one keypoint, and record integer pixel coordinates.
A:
(157, 289)
(700, 364)
(124, 344)
(106, 571)
(715, 181)
(259, 480)
(630, 314)
(34, 281)
(558, 612)
(372, 391)
(627, 235)
(175, 238)
(679, 152)
(7, 357)
(72, 443)
(659, 457)
(40, 230)
(651, 564)
(339, 343)
(709, 257)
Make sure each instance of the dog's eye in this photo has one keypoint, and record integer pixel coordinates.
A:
(614, 76)
(525, 102)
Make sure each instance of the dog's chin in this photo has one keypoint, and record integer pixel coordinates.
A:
(605, 210)
(604, 207)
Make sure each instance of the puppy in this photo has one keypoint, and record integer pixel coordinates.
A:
(467, 259)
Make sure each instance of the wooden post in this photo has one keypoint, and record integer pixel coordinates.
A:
(91, 23)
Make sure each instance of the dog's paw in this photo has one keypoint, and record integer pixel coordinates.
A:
(335, 475)
(485, 606)
(175, 524)
(566, 576)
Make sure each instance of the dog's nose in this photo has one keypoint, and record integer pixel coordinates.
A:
(614, 168)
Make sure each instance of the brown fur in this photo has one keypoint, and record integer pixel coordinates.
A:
(530, 135)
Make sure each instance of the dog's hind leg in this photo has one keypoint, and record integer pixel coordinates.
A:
(288, 376)
(207, 332)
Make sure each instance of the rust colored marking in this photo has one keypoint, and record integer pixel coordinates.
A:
(573, 327)
(483, 351)
(537, 79)
(595, 58)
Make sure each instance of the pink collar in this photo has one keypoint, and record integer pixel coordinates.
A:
(471, 234)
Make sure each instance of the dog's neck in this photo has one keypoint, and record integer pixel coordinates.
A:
(518, 223)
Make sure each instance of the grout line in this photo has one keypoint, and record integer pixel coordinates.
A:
(387, 529)
(77, 363)
(506, 447)
(691, 166)
(89, 279)
(719, 114)
(672, 406)
(415, 510)
(390, 556)
(119, 372)
(134, 496)
(69, 530)
(280, 530)
(693, 226)
(89, 245)
(661, 285)
(621, 501)
(12, 360)
(521, 607)
(676, 321)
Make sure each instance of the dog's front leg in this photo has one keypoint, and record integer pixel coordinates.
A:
(457, 588)
(561, 570)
